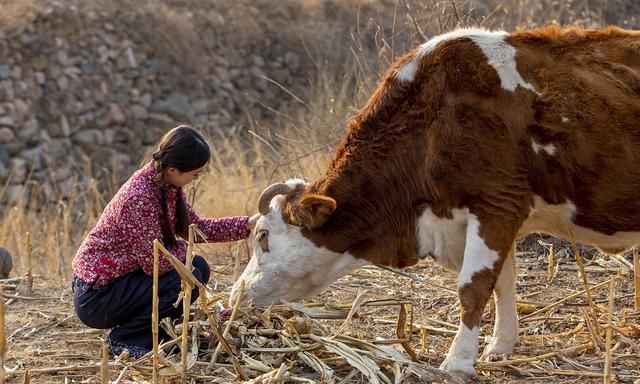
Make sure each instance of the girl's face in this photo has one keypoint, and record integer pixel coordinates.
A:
(179, 179)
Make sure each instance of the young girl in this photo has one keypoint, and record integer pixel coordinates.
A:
(112, 284)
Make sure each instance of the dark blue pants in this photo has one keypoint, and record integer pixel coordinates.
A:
(125, 304)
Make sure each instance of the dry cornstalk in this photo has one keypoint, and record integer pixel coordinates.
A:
(583, 275)
(154, 312)
(607, 359)
(590, 320)
(221, 339)
(636, 276)
(227, 329)
(550, 264)
(401, 332)
(25, 378)
(559, 302)
(55, 370)
(104, 367)
(354, 308)
(28, 247)
(423, 340)
(186, 306)
(504, 363)
(121, 375)
(181, 269)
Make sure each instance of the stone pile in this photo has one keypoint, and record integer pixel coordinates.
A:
(84, 90)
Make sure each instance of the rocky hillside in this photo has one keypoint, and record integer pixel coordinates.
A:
(86, 87)
(97, 82)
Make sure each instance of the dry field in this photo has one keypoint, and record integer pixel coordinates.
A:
(365, 327)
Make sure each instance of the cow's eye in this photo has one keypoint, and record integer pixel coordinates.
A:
(262, 237)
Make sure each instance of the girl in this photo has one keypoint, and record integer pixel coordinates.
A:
(112, 284)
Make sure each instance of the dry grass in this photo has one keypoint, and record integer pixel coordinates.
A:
(44, 336)
(16, 15)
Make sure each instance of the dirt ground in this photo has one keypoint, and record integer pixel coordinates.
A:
(44, 336)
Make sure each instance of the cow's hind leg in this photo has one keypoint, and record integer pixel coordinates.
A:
(476, 281)
(505, 330)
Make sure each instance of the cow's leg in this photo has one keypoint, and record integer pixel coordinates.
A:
(476, 281)
(505, 331)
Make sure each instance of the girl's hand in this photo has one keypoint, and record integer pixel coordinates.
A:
(253, 220)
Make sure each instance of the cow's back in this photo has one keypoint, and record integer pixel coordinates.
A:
(585, 132)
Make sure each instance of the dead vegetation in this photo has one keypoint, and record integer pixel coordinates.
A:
(365, 328)
(577, 324)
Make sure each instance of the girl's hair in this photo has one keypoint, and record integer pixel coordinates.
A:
(185, 149)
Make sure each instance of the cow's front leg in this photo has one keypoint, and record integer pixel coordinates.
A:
(477, 278)
(505, 330)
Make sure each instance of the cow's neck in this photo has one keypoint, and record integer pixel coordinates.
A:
(378, 198)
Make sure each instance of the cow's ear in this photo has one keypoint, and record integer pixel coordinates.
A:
(312, 210)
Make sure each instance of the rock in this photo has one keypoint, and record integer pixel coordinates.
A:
(176, 105)
(21, 111)
(222, 73)
(14, 191)
(19, 166)
(4, 172)
(35, 157)
(89, 136)
(16, 72)
(6, 135)
(63, 59)
(131, 59)
(135, 95)
(60, 174)
(139, 112)
(58, 148)
(40, 77)
(40, 63)
(116, 114)
(5, 71)
(4, 156)
(7, 121)
(29, 130)
(146, 100)
(63, 82)
(64, 125)
(87, 68)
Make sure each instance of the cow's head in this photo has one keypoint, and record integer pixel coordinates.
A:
(290, 260)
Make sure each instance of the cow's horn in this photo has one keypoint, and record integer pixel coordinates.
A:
(269, 193)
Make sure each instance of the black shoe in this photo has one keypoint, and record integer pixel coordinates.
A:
(116, 348)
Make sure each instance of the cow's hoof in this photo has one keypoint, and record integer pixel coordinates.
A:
(454, 365)
(499, 346)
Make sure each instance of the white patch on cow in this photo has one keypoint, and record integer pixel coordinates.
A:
(550, 149)
(443, 238)
(477, 256)
(407, 72)
(463, 351)
(564, 119)
(505, 330)
(557, 219)
(500, 55)
(294, 267)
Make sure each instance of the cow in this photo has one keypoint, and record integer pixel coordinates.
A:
(470, 141)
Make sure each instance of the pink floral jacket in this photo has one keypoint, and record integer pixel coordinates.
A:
(122, 240)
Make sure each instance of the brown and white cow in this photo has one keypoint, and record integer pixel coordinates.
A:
(471, 140)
